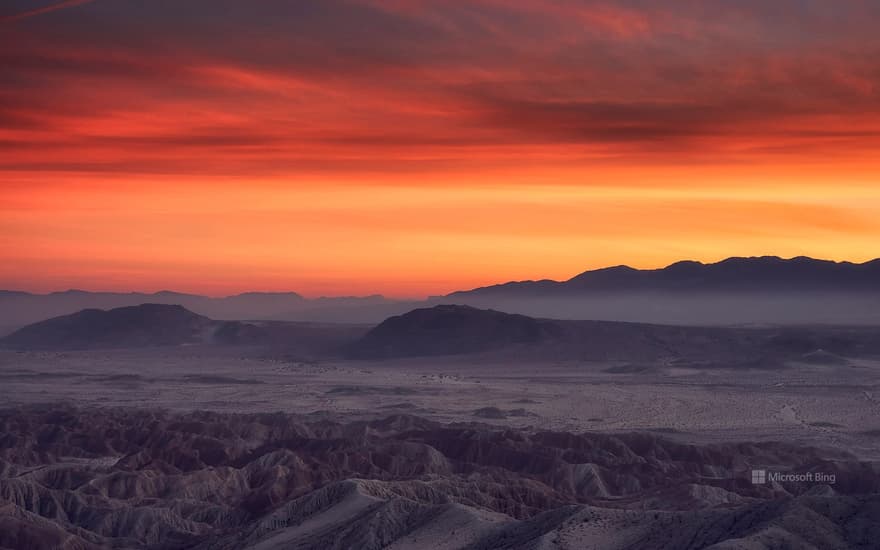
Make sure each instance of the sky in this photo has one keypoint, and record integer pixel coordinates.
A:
(416, 147)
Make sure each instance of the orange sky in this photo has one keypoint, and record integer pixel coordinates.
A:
(415, 147)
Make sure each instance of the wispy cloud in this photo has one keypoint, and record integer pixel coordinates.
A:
(409, 85)
(44, 9)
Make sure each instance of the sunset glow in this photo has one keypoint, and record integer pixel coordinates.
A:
(416, 147)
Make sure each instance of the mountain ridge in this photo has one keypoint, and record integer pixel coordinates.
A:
(677, 267)
(19, 308)
(733, 273)
(737, 290)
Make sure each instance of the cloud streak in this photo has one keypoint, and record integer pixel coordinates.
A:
(45, 9)
(371, 82)
(758, 108)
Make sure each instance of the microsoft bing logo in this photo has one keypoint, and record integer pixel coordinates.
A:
(761, 477)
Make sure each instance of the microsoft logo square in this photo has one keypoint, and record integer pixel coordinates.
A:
(759, 477)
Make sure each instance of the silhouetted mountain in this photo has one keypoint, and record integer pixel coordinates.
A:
(767, 273)
(449, 330)
(11, 293)
(734, 291)
(766, 290)
(150, 325)
(456, 330)
(133, 326)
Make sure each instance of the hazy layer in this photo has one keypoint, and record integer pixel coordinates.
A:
(822, 403)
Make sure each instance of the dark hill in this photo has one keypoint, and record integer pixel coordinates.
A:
(458, 330)
(451, 330)
(151, 325)
(133, 326)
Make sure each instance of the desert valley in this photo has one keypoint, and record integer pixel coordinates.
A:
(439, 275)
(448, 426)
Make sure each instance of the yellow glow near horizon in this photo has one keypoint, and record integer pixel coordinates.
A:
(335, 237)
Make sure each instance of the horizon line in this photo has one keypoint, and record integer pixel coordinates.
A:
(306, 296)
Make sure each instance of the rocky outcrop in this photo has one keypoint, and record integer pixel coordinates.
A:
(83, 478)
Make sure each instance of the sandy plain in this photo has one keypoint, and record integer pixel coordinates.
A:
(825, 405)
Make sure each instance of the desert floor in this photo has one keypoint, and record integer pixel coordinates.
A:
(831, 405)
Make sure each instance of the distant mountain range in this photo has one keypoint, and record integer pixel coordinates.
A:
(760, 290)
(20, 308)
(766, 273)
(248, 305)
(734, 291)
(456, 330)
